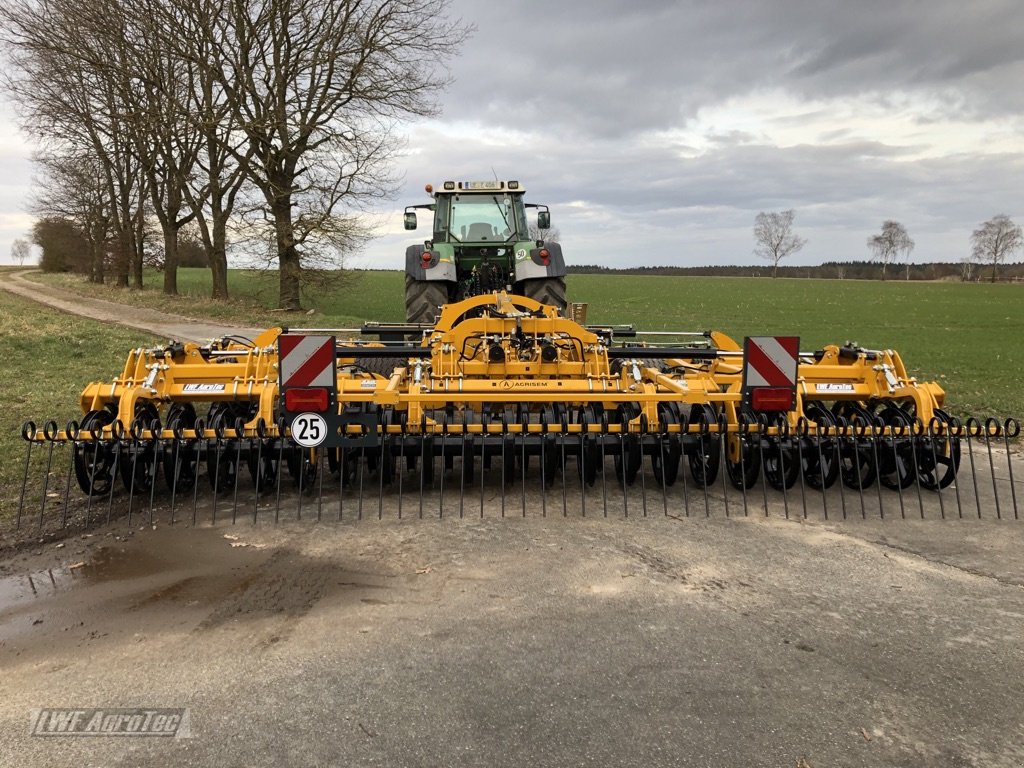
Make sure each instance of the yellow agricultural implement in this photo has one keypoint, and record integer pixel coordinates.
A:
(499, 389)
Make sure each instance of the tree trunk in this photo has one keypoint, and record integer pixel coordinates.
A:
(170, 259)
(123, 259)
(775, 270)
(287, 254)
(218, 257)
(994, 270)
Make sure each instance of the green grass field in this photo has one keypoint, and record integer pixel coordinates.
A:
(47, 361)
(969, 337)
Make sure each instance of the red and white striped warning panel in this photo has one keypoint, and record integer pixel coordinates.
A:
(771, 360)
(769, 372)
(306, 361)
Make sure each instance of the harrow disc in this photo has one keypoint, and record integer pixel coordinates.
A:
(629, 460)
(781, 465)
(94, 458)
(897, 460)
(857, 452)
(138, 466)
(222, 461)
(820, 462)
(180, 457)
(705, 457)
(938, 457)
(666, 457)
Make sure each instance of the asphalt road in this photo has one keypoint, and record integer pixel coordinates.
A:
(557, 641)
(560, 641)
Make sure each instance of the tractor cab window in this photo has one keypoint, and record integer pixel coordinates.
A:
(486, 218)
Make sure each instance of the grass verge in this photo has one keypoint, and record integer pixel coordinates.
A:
(48, 359)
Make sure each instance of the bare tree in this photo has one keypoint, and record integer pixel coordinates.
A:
(775, 237)
(995, 240)
(316, 88)
(20, 250)
(966, 269)
(890, 243)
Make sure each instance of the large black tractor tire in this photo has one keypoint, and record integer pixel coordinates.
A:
(547, 290)
(385, 366)
(422, 299)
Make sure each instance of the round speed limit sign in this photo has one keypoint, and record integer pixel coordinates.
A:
(309, 429)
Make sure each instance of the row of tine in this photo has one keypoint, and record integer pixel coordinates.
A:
(441, 469)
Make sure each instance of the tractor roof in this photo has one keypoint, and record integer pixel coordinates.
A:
(478, 187)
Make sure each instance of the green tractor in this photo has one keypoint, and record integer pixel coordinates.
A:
(481, 243)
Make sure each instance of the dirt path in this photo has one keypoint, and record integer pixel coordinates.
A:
(150, 320)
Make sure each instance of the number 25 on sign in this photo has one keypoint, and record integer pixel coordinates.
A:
(309, 429)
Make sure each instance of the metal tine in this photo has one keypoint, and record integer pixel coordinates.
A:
(28, 431)
(485, 435)
(261, 434)
(200, 428)
(705, 428)
(543, 463)
(71, 431)
(382, 461)
(604, 460)
(176, 470)
(95, 438)
(341, 479)
(989, 424)
(970, 426)
(643, 486)
(802, 433)
(860, 430)
(1011, 429)
(155, 430)
(239, 431)
(505, 456)
(524, 422)
(782, 427)
(280, 467)
(218, 432)
(892, 444)
(584, 435)
(320, 484)
(361, 462)
(423, 459)
(874, 424)
(118, 439)
(842, 426)
(444, 459)
(762, 437)
(403, 423)
(623, 433)
(50, 433)
(462, 465)
(300, 462)
(722, 456)
(741, 439)
(684, 432)
(135, 432)
(917, 432)
(662, 437)
(933, 432)
(953, 430)
(563, 436)
(818, 428)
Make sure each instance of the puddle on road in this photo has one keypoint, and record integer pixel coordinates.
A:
(105, 564)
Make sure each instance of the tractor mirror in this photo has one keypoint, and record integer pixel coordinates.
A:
(410, 220)
(543, 220)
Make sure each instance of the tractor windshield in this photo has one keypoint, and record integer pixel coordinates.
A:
(485, 218)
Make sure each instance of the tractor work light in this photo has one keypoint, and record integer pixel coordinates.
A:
(449, 186)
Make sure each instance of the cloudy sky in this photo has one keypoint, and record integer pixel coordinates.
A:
(656, 131)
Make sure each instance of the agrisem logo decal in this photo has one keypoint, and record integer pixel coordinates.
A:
(509, 384)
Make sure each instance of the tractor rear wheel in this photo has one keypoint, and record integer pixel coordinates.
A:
(547, 290)
(423, 298)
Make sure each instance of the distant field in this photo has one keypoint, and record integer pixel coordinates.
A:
(970, 337)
